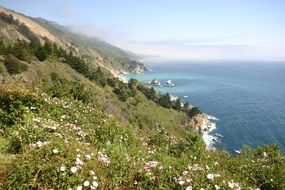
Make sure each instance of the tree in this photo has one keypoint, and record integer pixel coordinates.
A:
(186, 107)
(22, 51)
(41, 54)
(48, 48)
(194, 111)
(132, 86)
(177, 104)
(165, 101)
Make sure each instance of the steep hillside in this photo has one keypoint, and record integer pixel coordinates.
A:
(15, 26)
(68, 123)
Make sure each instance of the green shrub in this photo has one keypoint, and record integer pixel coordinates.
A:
(75, 90)
(193, 112)
(14, 66)
(79, 93)
(165, 101)
(41, 53)
(13, 105)
(14, 146)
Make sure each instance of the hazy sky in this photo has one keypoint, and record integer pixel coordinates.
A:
(174, 29)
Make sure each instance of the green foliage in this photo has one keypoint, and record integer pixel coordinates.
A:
(148, 92)
(61, 89)
(79, 93)
(121, 89)
(22, 51)
(121, 156)
(177, 104)
(7, 18)
(193, 112)
(165, 101)
(99, 76)
(14, 66)
(77, 64)
(15, 145)
(41, 53)
(13, 105)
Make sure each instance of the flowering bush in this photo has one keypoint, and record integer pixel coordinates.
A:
(62, 143)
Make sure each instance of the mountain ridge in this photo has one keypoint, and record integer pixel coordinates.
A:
(100, 53)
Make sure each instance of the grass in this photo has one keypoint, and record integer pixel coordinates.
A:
(121, 156)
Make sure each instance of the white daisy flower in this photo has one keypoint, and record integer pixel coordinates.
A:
(91, 172)
(55, 151)
(217, 187)
(88, 157)
(95, 184)
(189, 187)
(86, 183)
(73, 169)
(181, 182)
(210, 176)
(62, 168)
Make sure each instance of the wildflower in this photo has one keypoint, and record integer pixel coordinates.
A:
(74, 169)
(91, 172)
(78, 162)
(39, 144)
(86, 183)
(217, 187)
(185, 172)
(51, 128)
(88, 157)
(32, 108)
(55, 151)
(210, 176)
(189, 187)
(104, 158)
(151, 164)
(232, 185)
(95, 184)
(181, 182)
(62, 168)
(79, 188)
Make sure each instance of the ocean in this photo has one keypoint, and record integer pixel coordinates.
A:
(247, 98)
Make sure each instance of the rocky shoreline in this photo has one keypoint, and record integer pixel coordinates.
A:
(204, 124)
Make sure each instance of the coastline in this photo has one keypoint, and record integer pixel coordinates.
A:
(209, 126)
(203, 123)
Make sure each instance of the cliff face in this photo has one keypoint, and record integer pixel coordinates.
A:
(198, 123)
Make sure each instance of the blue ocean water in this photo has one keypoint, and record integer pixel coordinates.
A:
(248, 98)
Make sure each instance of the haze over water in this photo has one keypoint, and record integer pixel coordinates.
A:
(248, 98)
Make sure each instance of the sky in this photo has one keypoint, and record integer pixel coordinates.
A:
(173, 30)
